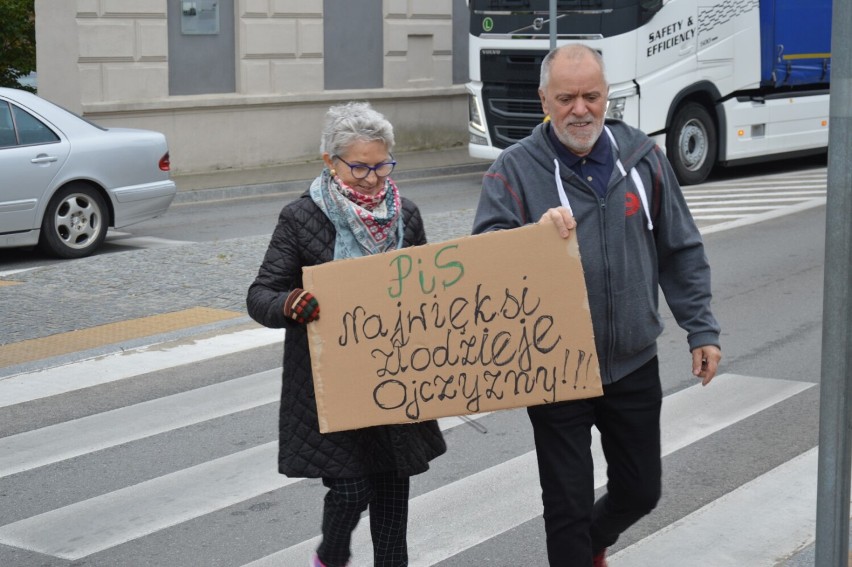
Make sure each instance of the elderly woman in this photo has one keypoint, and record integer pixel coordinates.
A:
(352, 209)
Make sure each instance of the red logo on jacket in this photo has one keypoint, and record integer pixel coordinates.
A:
(632, 204)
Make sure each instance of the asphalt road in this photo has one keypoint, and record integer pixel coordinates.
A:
(767, 295)
(220, 220)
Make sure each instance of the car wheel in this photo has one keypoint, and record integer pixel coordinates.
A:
(691, 143)
(75, 222)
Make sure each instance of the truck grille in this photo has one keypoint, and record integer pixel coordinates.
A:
(511, 116)
(510, 93)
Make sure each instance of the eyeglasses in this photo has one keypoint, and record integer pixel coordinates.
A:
(360, 171)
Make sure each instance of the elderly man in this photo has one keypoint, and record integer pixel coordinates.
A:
(613, 185)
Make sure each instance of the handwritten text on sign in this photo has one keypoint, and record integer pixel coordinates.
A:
(475, 324)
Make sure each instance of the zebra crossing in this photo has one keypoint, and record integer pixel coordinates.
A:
(734, 200)
(187, 476)
(137, 515)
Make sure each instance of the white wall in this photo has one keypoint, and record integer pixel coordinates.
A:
(108, 60)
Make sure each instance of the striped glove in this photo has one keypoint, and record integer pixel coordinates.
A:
(301, 306)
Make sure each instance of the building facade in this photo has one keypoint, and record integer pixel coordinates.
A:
(246, 83)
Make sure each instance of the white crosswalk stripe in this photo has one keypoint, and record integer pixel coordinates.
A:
(737, 516)
(99, 523)
(127, 239)
(741, 198)
(28, 386)
(465, 508)
(88, 434)
(447, 520)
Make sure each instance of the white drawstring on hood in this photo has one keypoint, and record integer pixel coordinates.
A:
(563, 198)
(637, 181)
(634, 175)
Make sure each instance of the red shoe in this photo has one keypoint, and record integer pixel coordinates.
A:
(599, 560)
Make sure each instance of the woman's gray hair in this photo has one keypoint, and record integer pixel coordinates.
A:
(572, 50)
(354, 122)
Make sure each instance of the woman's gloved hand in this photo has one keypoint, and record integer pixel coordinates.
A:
(301, 306)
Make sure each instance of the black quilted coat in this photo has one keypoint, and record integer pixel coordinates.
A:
(305, 237)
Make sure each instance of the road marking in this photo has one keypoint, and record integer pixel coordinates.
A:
(738, 528)
(84, 339)
(754, 219)
(81, 529)
(78, 530)
(482, 506)
(744, 201)
(6, 273)
(127, 239)
(737, 186)
(730, 398)
(750, 201)
(816, 175)
(77, 437)
(29, 386)
(740, 202)
(429, 506)
(761, 195)
(746, 209)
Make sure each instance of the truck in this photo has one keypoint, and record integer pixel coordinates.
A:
(714, 82)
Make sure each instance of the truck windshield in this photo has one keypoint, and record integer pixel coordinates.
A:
(576, 19)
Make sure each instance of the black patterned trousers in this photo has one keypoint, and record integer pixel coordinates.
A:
(387, 497)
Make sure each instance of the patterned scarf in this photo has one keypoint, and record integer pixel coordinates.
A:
(365, 224)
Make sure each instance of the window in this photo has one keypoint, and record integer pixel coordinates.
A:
(31, 130)
(7, 127)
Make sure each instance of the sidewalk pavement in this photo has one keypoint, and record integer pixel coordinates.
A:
(295, 177)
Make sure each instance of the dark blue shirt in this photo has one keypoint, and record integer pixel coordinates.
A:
(595, 168)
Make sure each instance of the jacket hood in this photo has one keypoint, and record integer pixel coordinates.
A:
(633, 145)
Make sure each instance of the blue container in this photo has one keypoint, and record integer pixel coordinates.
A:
(795, 38)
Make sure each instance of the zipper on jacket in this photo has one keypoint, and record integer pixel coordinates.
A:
(610, 319)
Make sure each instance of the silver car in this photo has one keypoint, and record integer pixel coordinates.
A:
(64, 180)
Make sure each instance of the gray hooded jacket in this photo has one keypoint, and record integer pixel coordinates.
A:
(625, 262)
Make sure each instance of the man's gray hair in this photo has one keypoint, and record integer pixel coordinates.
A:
(573, 51)
(354, 122)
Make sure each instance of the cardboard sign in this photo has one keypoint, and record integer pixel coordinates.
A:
(481, 323)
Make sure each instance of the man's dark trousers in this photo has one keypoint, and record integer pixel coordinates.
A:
(628, 417)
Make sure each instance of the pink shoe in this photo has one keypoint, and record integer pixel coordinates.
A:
(599, 560)
(315, 561)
